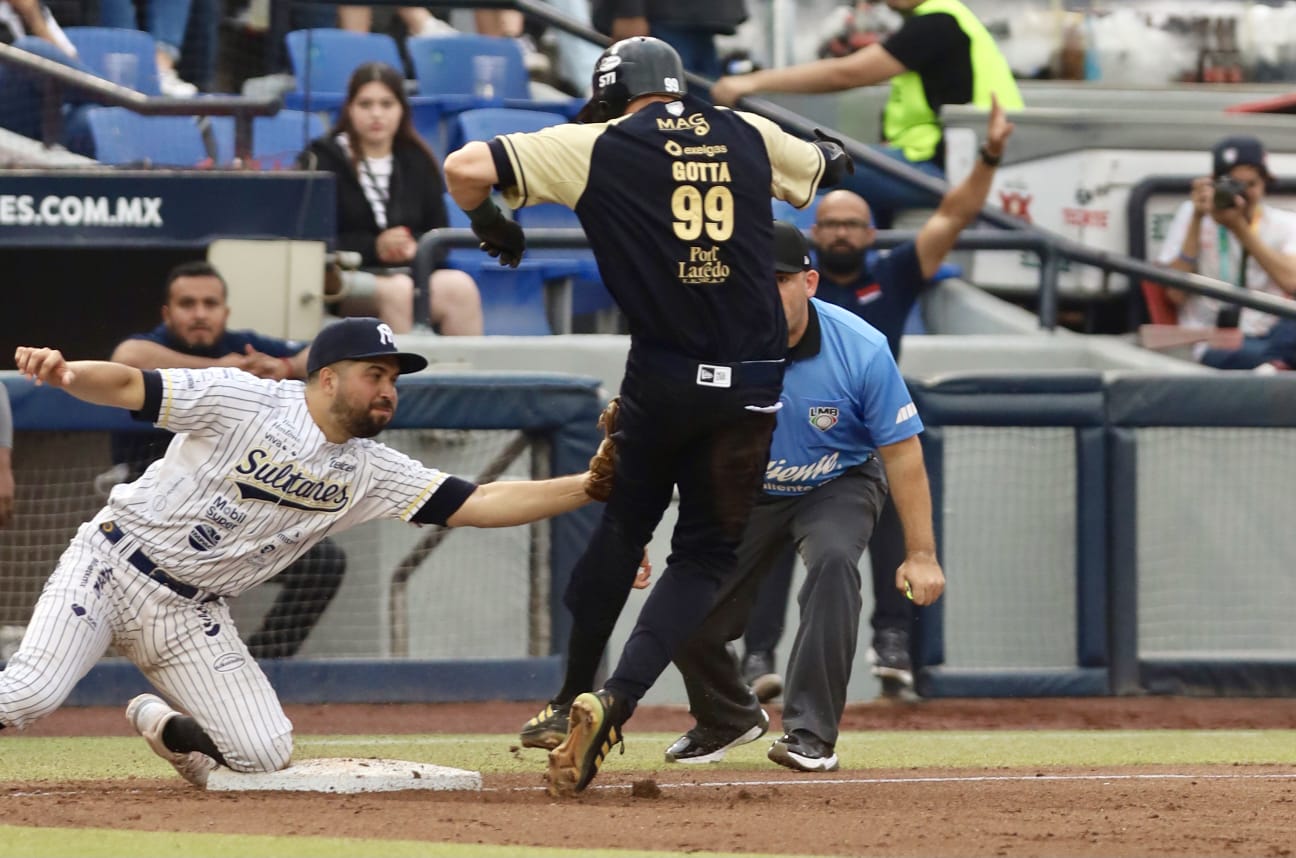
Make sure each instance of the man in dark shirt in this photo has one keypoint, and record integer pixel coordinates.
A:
(686, 25)
(673, 195)
(942, 55)
(882, 293)
(193, 335)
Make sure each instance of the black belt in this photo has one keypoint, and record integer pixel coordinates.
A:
(140, 561)
(736, 375)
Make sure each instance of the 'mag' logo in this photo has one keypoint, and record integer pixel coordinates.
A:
(823, 417)
(696, 123)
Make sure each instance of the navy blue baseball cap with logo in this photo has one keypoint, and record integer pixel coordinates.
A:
(357, 338)
(1232, 151)
(791, 250)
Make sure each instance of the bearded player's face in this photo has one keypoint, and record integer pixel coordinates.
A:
(364, 400)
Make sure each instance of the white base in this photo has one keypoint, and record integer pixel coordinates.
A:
(347, 775)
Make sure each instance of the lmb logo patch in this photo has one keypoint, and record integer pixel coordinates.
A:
(823, 417)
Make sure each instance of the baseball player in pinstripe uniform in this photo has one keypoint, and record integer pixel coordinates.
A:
(258, 472)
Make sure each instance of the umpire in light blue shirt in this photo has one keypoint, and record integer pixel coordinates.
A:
(847, 427)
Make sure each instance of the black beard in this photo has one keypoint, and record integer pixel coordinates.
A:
(842, 263)
(358, 424)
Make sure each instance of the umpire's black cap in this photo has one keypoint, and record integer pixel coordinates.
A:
(357, 338)
(791, 250)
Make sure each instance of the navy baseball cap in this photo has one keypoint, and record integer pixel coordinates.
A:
(1232, 151)
(357, 338)
(791, 250)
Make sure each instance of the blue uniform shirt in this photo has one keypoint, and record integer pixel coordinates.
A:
(884, 292)
(231, 342)
(843, 397)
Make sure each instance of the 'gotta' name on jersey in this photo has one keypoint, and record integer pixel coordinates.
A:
(675, 199)
(249, 483)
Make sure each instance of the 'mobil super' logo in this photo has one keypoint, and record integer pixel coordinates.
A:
(696, 123)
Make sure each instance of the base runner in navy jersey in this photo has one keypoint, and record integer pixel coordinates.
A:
(881, 289)
(847, 429)
(674, 197)
(259, 471)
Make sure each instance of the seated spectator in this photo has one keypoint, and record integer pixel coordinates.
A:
(389, 192)
(417, 20)
(193, 334)
(1226, 231)
(6, 459)
(29, 25)
(20, 18)
(165, 21)
(689, 28)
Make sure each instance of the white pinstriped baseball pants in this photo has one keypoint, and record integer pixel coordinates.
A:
(191, 652)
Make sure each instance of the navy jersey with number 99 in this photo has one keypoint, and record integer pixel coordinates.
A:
(675, 200)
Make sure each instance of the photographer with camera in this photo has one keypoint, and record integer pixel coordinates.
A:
(1226, 231)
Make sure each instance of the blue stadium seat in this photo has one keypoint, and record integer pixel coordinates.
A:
(122, 137)
(445, 68)
(323, 60)
(276, 140)
(95, 45)
(513, 299)
(802, 218)
(486, 122)
(468, 259)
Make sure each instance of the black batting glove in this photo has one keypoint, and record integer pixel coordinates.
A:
(834, 153)
(500, 237)
(503, 240)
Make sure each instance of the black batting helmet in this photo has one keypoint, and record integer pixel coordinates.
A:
(639, 65)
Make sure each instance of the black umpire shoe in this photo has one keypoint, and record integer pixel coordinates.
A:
(758, 672)
(804, 752)
(708, 744)
(548, 728)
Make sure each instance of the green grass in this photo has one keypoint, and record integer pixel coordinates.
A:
(58, 759)
(105, 843)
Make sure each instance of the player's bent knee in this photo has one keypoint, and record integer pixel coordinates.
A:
(269, 756)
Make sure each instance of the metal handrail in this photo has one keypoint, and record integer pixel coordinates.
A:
(57, 76)
(977, 239)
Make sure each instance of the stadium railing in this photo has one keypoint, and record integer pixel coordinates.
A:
(59, 76)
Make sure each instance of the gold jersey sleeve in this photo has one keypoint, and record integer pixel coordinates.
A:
(551, 165)
(796, 166)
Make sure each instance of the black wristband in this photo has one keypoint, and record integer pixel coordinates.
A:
(485, 214)
(988, 159)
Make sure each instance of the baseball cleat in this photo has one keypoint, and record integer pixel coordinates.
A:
(708, 745)
(592, 730)
(149, 715)
(548, 728)
(805, 753)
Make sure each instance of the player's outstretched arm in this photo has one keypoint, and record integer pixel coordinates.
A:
(920, 574)
(99, 382)
(505, 504)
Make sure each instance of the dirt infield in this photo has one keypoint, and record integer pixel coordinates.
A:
(1235, 810)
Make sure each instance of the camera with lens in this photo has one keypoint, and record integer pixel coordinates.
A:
(1227, 190)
